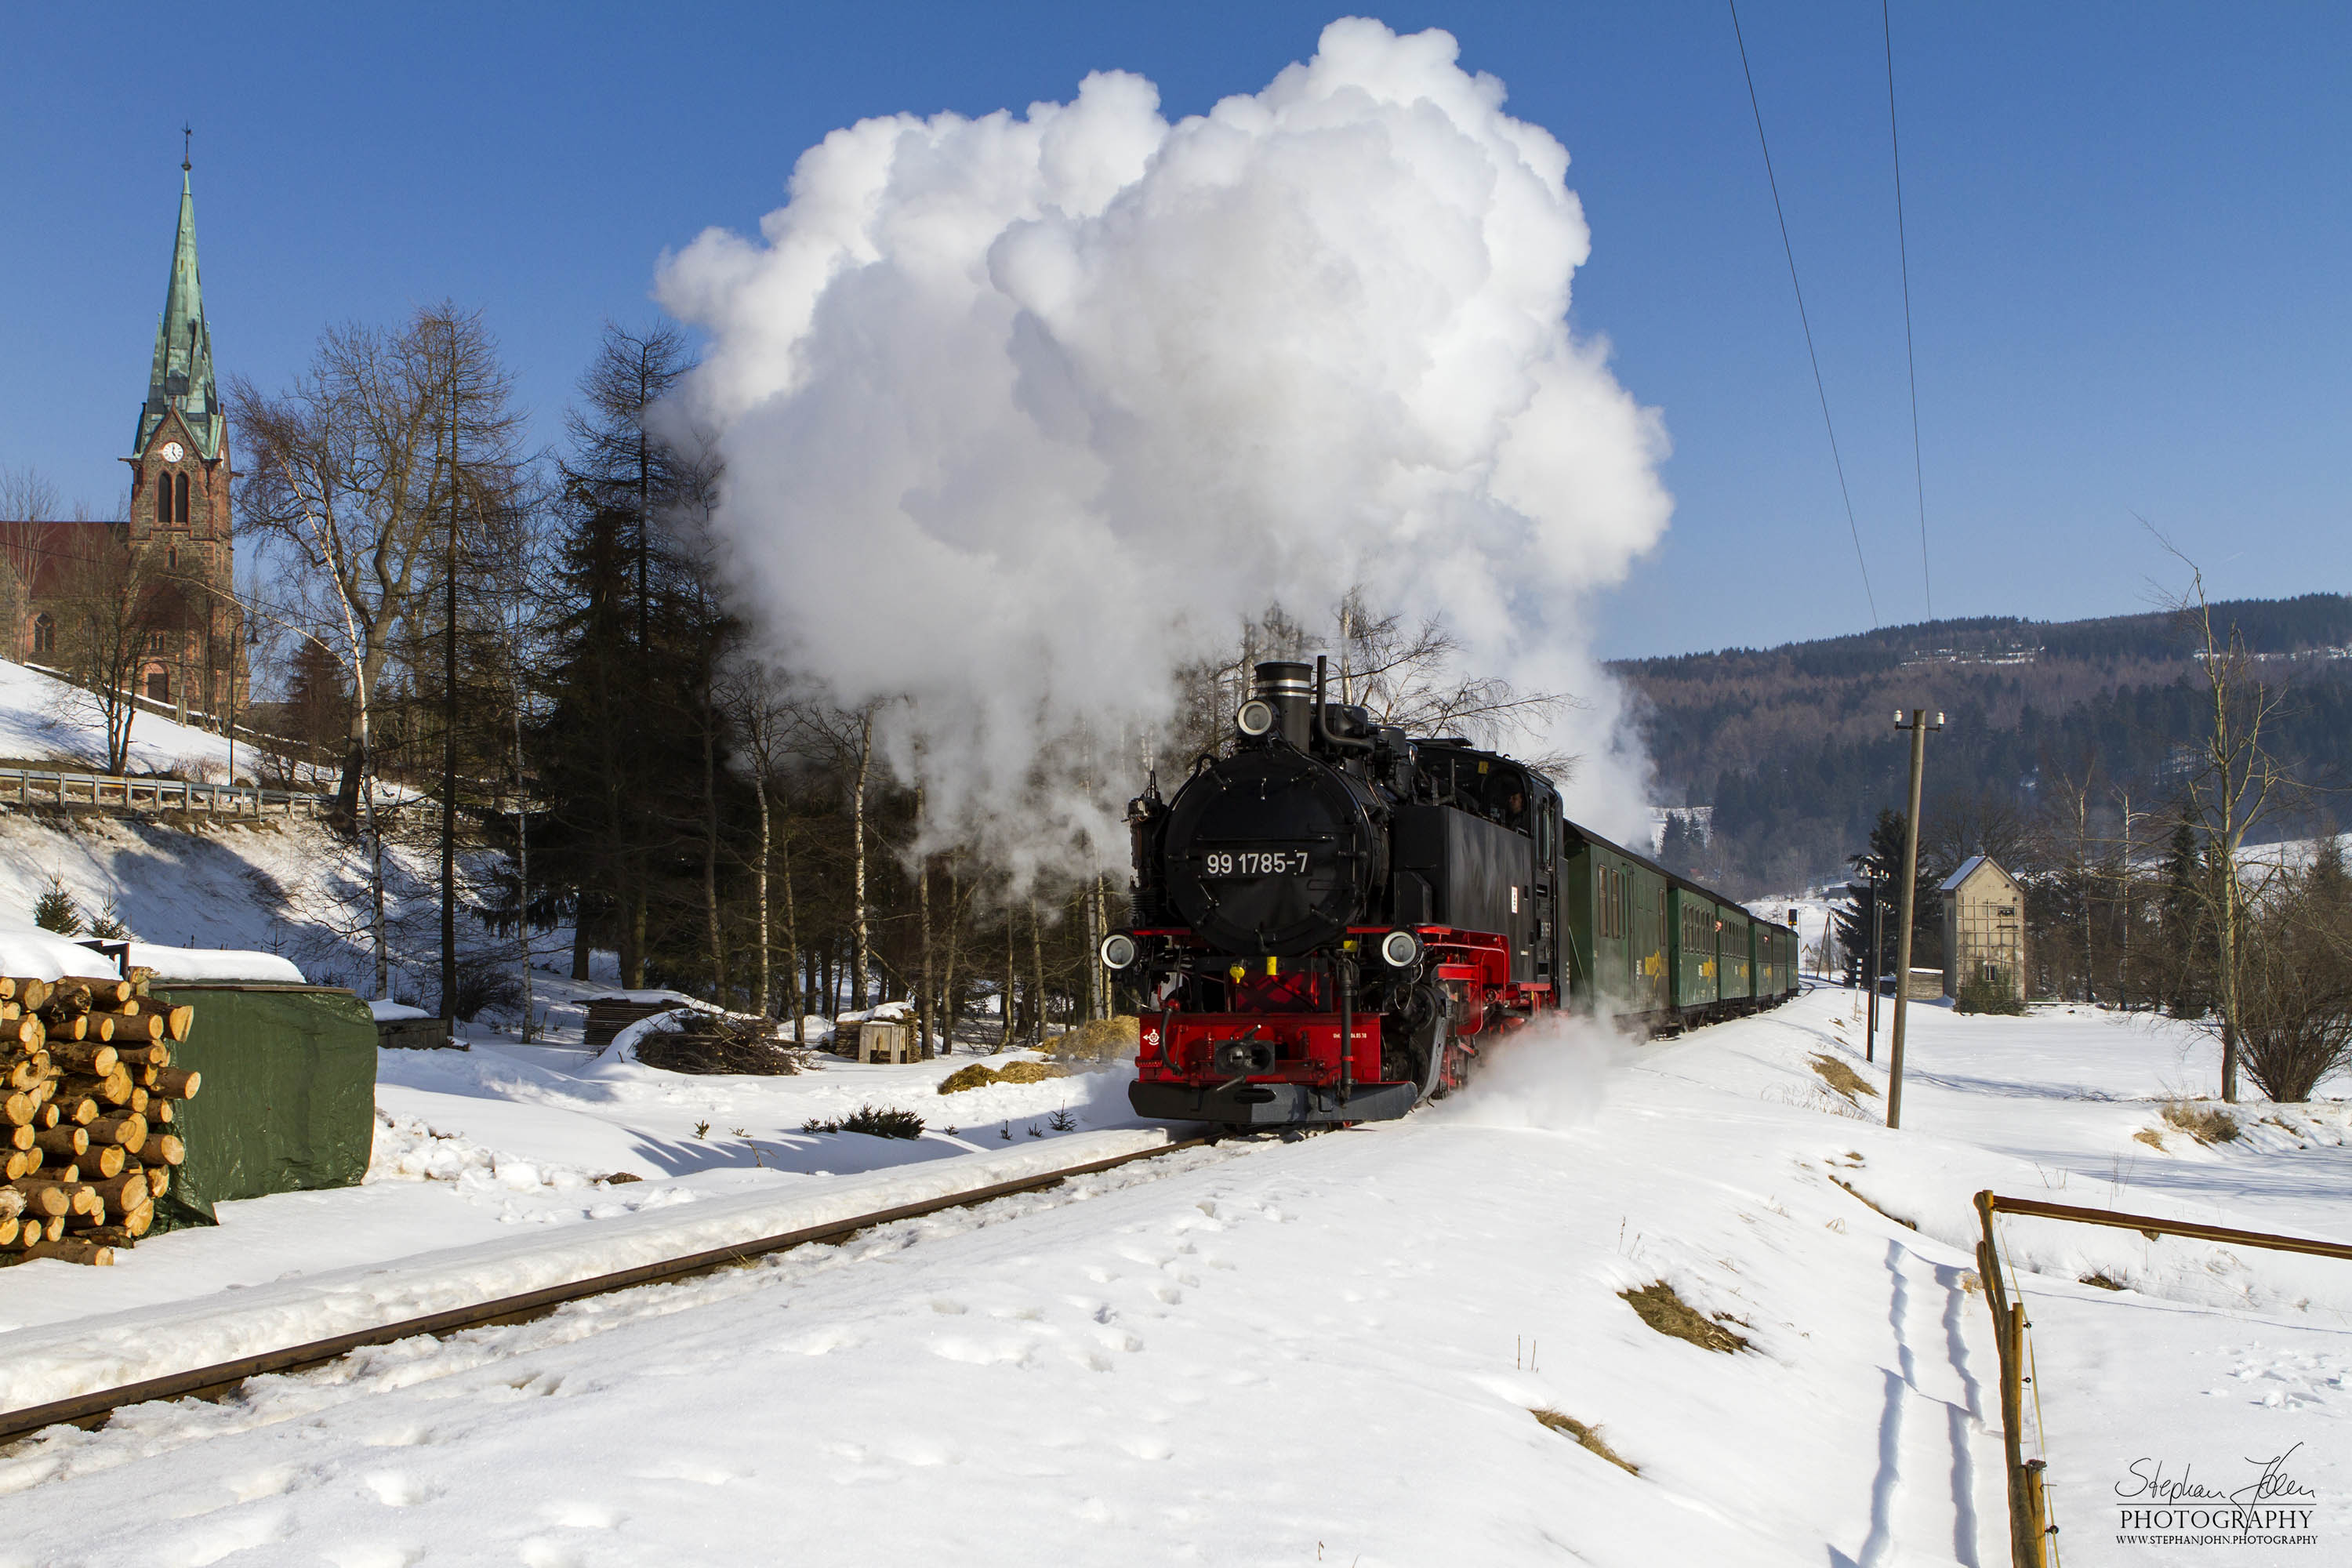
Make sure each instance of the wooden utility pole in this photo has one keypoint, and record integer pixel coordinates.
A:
(1918, 724)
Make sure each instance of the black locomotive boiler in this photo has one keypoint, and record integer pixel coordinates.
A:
(1332, 922)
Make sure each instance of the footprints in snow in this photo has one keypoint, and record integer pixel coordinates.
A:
(1158, 1268)
(396, 1488)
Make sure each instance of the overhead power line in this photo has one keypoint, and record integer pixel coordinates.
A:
(1910, 357)
(1797, 289)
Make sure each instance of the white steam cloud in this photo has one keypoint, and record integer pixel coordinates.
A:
(1021, 414)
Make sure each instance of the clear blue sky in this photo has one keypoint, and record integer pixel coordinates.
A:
(2129, 241)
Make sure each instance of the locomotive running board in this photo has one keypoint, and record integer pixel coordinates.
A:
(1270, 1104)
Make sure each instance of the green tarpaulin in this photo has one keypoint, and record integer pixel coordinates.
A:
(287, 1101)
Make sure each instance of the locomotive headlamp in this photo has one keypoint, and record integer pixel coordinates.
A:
(1255, 718)
(1400, 950)
(1119, 951)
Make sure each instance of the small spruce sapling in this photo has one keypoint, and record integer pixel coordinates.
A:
(55, 910)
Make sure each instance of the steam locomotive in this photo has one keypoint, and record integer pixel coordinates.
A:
(1334, 922)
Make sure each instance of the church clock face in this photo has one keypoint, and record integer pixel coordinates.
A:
(173, 451)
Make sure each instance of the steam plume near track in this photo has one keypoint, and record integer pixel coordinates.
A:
(1021, 414)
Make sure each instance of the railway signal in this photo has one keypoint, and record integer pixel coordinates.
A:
(1877, 957)
(1918, 723)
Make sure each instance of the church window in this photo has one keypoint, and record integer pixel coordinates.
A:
(158, 642)
(45, 633)
(180, 508)
(171, 555)
(162, 498)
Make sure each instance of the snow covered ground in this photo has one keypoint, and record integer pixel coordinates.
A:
(43, 720)
(471, 1145)
(1321, 1350)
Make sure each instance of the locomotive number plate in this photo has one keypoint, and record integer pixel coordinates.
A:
(1255, 863)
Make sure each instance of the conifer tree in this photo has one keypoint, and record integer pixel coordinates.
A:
(1881, 867)
(55, 910)
(629, 661)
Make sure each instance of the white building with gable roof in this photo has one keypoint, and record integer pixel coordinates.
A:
(1984, 927)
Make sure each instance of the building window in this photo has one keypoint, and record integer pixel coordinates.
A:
(180, 506)
(45, 633)
(172, 554)
(158, 642)
(162, 498)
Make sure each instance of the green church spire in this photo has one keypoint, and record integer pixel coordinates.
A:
(182, 373)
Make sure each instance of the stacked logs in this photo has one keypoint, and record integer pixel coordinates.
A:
(87, 1091)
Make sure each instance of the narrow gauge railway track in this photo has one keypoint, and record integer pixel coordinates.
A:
(224, 1378)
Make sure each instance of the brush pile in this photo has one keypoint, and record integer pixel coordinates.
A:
(710, 1043)
(86, 1093)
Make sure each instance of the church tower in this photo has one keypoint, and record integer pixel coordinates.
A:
(180, 460)
(180, 521)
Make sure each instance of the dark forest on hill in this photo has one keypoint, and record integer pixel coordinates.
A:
(1795, 749)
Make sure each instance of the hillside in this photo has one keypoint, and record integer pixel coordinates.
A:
(1794, 751)
(290, 884)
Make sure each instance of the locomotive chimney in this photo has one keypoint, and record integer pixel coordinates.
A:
(1287, 688)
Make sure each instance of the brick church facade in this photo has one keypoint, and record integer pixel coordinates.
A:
(161, 580)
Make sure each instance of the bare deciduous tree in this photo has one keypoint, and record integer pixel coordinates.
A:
(25, 496)
(2294, 995)
(846, 734)
(111, 604)
(1408, 673)
(348, 476)
(2235, 786)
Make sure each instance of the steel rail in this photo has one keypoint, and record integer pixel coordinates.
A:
(91, 1410)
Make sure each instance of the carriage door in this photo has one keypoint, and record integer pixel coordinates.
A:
(1544, 936)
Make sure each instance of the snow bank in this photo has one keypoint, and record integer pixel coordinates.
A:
(386, 1010)
(59, 1360)
(408, 1149)
(208, 963)
(44, 954)
(28, 951)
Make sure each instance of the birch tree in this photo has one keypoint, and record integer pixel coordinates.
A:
(750, 696)
(343, 478)
(847, 735)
